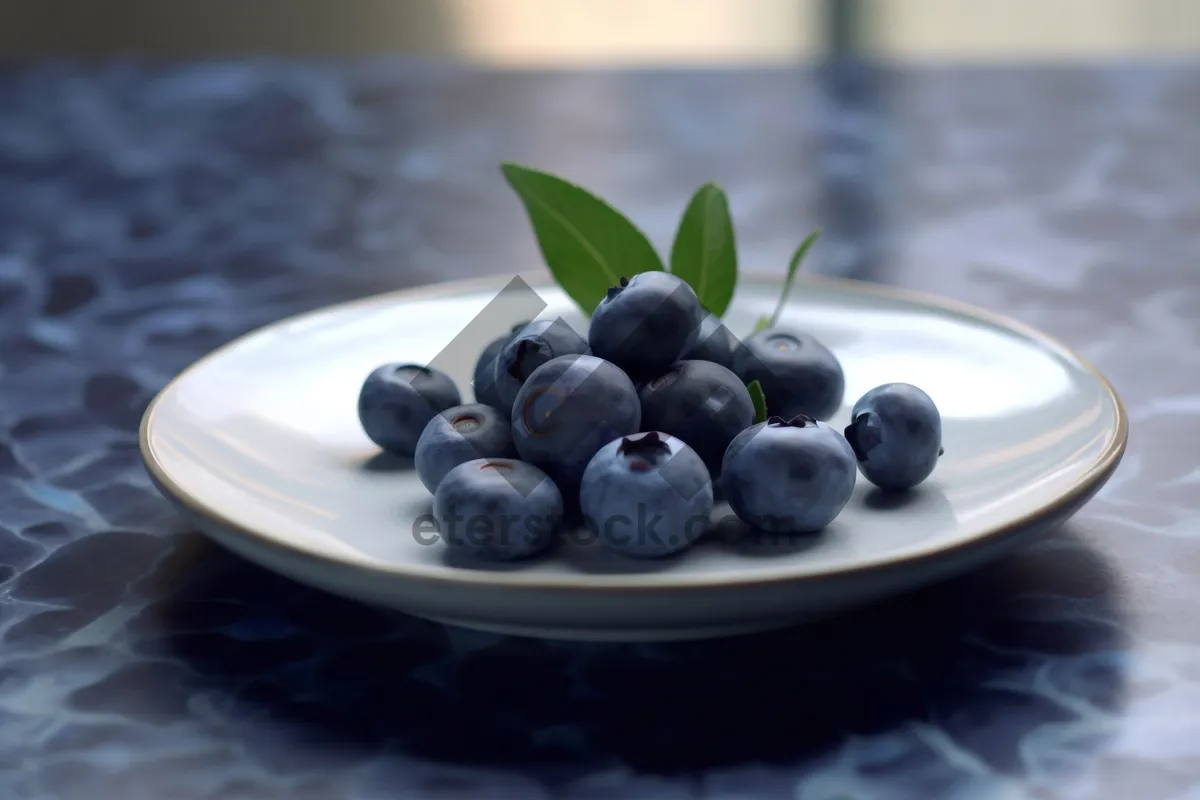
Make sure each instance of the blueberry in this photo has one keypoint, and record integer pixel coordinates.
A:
(798, 374)
(896, 435)
(714, 343)
(788, 476)
(529, 348)
(497, 509)
(645, 324)
(647, 495)
(700, 402)
(484, 378)
(460, 434)
(397, 401)
(568, 409)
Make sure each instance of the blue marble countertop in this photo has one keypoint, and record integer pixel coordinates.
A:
(151, 213)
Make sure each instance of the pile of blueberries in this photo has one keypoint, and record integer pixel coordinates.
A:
(636, 430)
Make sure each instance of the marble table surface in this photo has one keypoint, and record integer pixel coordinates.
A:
(149, 213)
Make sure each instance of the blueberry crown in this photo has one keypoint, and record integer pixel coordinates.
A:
(523, 364)
(798, 421)
(613, 291)
(650, 447)
(862, 436)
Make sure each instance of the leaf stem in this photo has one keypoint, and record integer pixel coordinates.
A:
(793, 268)
(759, 400)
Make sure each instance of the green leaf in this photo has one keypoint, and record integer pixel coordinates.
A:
(793, 268)
(704, 252)
(587, 244)
(760, 401)
(762, 324)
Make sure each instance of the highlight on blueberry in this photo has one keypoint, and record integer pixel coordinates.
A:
(896, 435)
(646, 323)
(713, 342)
(497, 509)
(788, 476)
(647, 495)
(700, 402)
(396, 402)
(458, 435)
(798, 374)
(567, 410)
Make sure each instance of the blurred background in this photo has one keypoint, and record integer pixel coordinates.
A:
(249, 98)
(541, 32)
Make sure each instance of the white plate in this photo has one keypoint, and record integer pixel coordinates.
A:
(259, 445)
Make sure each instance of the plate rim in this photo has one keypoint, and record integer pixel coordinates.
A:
(1096, 475)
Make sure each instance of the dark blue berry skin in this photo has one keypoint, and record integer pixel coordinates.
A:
(497, 509)
(896, 435)
(798, 374)
(646, 325)
(529, 348)
(568, 409)
(397, 401)
(700, 402)
(458, 435)
(713, 343)
(647, 495)
(788, 476)
(483, 380)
